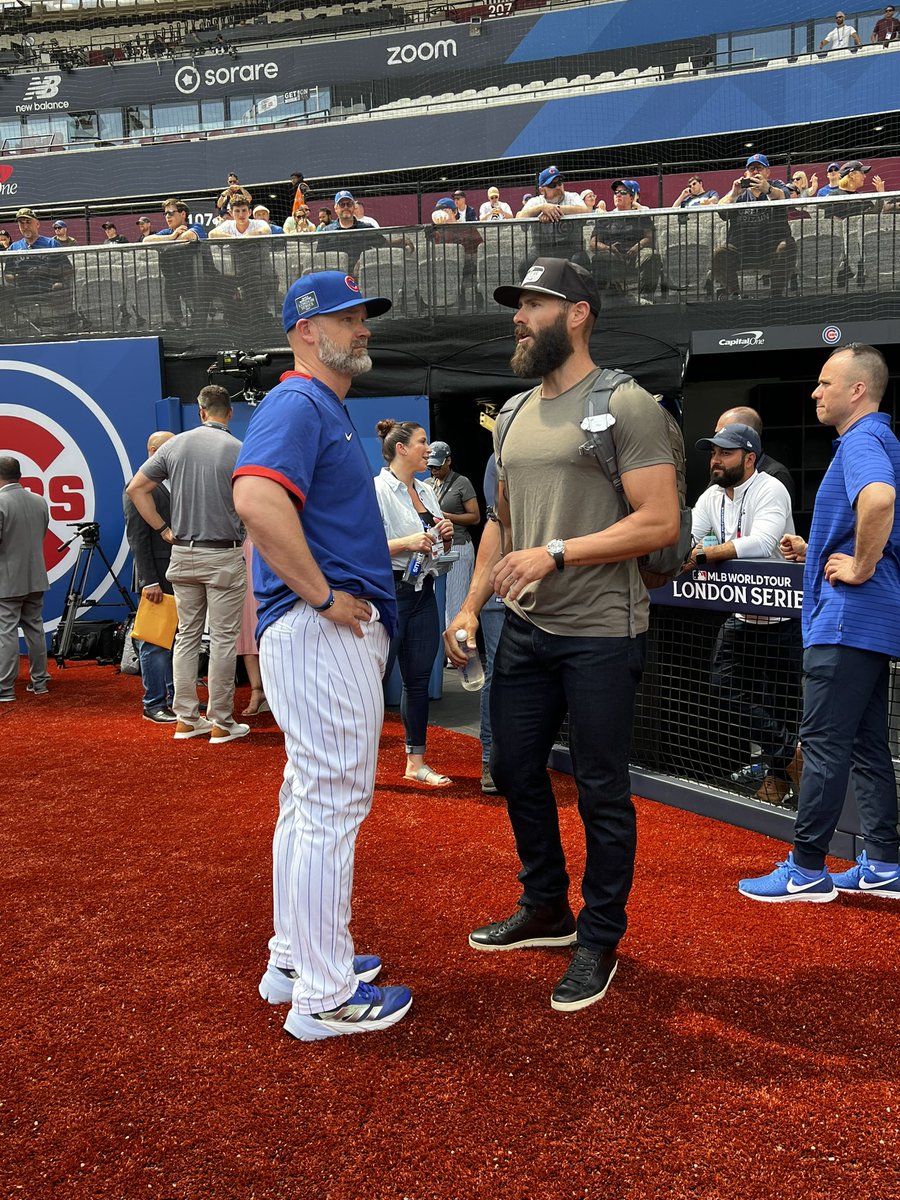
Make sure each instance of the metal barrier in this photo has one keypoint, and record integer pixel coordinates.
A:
(213, 293)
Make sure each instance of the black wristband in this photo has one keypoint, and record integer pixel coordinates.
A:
(328, 603)
(162, 529)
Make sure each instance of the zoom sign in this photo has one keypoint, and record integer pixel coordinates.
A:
(423, 52)
(189, 80)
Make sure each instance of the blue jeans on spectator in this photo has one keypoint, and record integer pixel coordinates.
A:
(415, 647)
(156, 672)
(756, 670)
(844, 734)
(538, 678)
(492, 617)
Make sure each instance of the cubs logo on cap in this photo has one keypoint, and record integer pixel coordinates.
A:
(323, 292)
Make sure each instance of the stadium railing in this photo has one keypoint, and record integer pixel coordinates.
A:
(206, 295)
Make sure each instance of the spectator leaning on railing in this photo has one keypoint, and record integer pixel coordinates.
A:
(180, 281)
(43, 282)
(887, 29)
(758, 239)
(841, 36)
(554, 237)
(853, 180)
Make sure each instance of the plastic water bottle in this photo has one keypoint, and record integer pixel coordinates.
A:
(415, 565)
(471, 673)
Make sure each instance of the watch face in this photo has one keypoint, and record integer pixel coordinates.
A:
(556, 546)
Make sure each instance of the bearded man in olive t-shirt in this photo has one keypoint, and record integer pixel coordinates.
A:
(573, 642)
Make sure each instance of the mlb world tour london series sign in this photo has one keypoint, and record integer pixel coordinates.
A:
(762, 589)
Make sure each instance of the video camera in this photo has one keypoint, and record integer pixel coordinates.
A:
(247, 366)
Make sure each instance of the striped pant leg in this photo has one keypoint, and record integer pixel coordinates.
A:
(324, 687)
(458, 579)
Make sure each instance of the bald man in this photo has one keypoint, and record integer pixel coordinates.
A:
(151, 558)
(741, 415)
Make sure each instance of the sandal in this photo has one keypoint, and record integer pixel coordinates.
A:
(262, 705)
(429, 777)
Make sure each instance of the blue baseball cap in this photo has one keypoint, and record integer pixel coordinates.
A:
(549, 176)
(758, 159)
(344, 195)
(446, 202)
(628, 184)
(323, 292)
(833, 166)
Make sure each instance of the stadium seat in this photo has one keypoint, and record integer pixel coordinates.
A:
(382, 272)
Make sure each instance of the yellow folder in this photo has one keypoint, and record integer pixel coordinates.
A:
(156, 623)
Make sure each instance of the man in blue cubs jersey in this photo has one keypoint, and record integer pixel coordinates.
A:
(322, 577)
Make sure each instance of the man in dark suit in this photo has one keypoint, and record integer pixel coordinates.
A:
(151, 559)
(24, 518)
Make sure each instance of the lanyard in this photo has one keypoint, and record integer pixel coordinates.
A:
(740, 519)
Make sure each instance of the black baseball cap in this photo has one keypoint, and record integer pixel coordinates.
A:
(109, 225)
(553, 277)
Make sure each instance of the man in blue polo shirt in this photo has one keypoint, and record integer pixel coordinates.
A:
(322, 576)
(851, 630)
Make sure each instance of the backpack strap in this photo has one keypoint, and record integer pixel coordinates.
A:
(504, 419)
(597, 424)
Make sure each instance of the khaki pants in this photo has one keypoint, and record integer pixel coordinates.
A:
(207, 583)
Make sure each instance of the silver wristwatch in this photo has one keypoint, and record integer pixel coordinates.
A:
(556, 548)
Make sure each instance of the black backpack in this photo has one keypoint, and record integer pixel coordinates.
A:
(659, 566)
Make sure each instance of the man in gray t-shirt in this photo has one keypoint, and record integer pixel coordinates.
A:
(564, 559)
(207, 569)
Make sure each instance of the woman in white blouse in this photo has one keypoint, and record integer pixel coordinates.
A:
(410, 511)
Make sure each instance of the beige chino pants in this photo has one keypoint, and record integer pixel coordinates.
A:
(207, 582)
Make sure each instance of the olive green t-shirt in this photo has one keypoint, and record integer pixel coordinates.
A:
(554, 492)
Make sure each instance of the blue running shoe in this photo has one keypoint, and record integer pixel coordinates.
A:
(277, 984)
(862, 880)
(369, 1008)
(787, 883)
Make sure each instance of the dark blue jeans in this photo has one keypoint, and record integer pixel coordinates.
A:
(538, 678)
(492, 617)
(756, 669)
(156, 672)
(844, 734)
(415, 647)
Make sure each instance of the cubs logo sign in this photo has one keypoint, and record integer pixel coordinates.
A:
(73, 453)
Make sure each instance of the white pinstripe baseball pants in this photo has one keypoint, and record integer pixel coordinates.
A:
(458, 579)
(324, 687)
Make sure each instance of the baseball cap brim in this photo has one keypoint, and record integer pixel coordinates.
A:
(509, 294)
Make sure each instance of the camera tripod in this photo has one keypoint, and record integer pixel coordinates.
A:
(89, 532)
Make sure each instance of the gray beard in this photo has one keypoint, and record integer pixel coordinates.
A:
(344, 362)
(548, 351)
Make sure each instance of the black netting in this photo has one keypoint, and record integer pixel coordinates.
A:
(203, 296)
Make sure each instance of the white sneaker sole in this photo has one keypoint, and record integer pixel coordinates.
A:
(568, 939)
(308, 1029)
(869, 892)
(277, 988)
(233, 736)
(193, 733)
(801, 897)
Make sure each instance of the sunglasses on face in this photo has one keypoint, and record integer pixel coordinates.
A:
(621, 192)
(170, 212)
